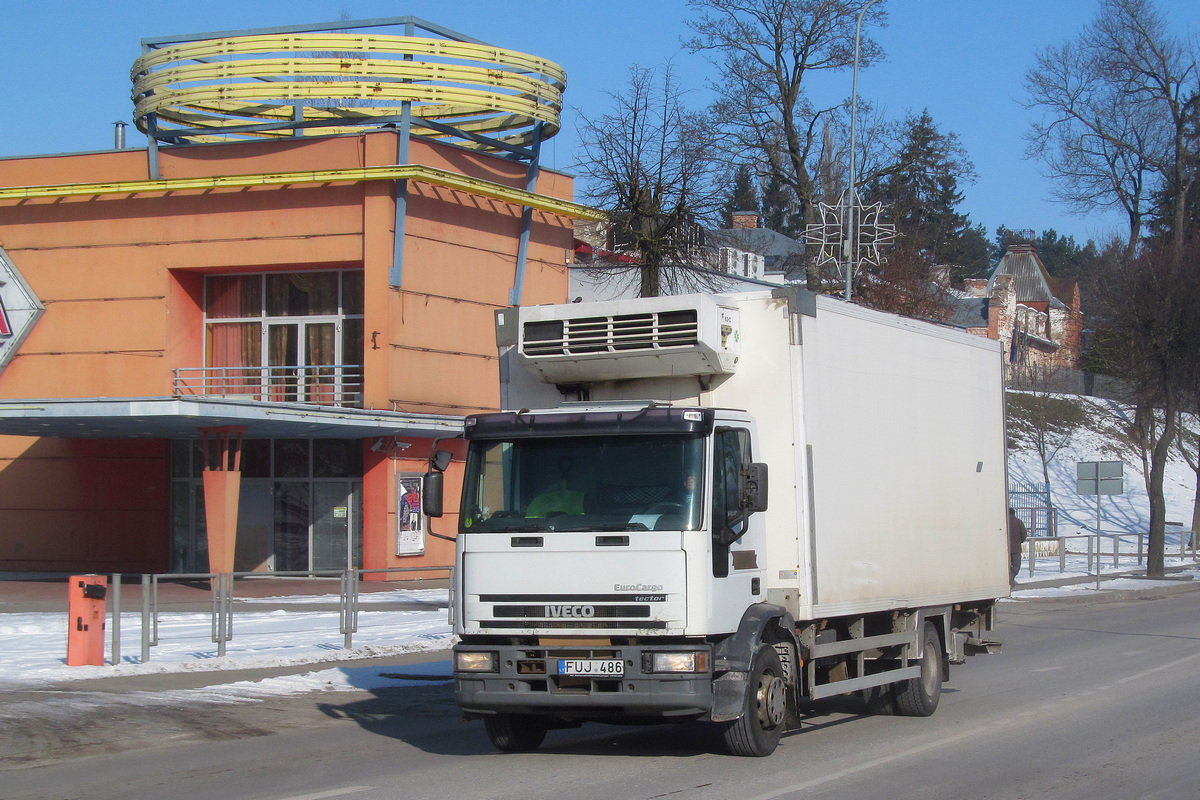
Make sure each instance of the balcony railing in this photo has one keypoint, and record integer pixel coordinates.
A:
(327, 384)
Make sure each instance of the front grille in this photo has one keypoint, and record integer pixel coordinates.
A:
(540, 612)
(574, 624)
(578, 611)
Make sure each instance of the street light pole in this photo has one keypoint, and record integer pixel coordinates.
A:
(852, 195)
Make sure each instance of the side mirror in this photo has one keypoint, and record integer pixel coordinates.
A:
(754, 488)
(431, 497)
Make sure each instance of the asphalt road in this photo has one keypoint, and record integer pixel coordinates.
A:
(1089, 700)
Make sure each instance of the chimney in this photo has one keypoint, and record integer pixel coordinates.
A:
(119, 135)
(744, 219)
(976, 287)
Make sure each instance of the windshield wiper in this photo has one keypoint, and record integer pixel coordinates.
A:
(605, 528)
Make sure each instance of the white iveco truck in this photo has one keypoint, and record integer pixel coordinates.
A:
(620, 557)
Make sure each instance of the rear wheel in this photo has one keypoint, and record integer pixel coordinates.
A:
(918, 697)
(515, 733)
(757, 731)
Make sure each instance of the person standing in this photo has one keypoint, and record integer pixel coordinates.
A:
(1017, 534)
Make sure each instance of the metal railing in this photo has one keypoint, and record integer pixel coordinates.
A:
(325, 384)
(223, 597)
(1059, 548)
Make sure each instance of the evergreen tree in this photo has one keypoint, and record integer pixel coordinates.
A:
(742, 197)
(1061, 255)
(779, 211)
(920, 194)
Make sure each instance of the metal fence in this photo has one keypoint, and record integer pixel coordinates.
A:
(223, 597)
(1032, 503)
(1095, 550)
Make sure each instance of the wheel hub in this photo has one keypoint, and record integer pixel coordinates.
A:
(772, 701)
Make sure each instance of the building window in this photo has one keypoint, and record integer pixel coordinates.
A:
(300, 506)
(285, 336)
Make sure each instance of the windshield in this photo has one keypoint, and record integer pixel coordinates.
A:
(586, 483)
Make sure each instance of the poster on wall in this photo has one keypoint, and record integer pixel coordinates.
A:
(410, 522)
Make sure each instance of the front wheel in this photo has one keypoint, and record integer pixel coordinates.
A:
(515, 733)
(918, 697)
(756, 732)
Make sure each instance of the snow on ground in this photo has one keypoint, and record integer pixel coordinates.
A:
(35, 644)
(1097, 441)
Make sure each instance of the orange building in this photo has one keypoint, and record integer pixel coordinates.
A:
(308, 307)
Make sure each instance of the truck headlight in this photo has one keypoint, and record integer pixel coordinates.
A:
(475, 662)
(680, 662)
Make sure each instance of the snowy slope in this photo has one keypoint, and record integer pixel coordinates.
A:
(1101, 439)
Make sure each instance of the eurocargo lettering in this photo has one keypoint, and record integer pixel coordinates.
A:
(620, 557)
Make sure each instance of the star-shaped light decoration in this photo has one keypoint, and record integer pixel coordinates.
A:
(829, 235)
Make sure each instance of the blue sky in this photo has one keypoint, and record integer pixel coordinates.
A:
(64, 69)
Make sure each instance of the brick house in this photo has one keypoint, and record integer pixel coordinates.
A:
(1037, 317)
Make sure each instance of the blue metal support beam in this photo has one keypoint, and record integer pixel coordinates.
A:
(514, 296)
(396, 274)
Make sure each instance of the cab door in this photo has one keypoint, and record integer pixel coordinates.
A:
(738, 536)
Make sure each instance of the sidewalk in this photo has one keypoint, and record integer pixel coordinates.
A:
(49, 594)
(30, 610)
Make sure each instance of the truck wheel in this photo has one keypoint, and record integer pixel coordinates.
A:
(515, 733)
(918, 697)
(757, 731)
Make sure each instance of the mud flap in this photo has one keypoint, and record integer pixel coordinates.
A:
(729, 695)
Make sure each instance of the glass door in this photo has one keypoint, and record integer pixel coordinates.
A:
(337, 525)
(283, 356)
(320, 356)
(254, 527)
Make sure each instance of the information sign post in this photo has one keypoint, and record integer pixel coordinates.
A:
(1099, 478)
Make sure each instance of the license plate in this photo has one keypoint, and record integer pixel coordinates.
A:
(614, 667)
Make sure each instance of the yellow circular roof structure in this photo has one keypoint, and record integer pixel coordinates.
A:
(239, 87)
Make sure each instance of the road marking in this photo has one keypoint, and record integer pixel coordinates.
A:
(331, 793)
(813, 783)
(1159, 668)
(1046, 669)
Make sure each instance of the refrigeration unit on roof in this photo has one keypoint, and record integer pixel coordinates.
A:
(623, 339)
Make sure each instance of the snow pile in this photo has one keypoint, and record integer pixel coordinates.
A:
(36, 643)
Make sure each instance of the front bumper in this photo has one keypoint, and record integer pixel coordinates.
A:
(527, 682)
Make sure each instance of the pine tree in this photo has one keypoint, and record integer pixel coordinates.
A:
(742, 197)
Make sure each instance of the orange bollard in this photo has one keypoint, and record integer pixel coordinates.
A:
(85, 631)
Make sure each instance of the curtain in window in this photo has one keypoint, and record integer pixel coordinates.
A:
(232, 345)
(320, 355)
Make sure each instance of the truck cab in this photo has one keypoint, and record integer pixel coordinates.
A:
(601, 549)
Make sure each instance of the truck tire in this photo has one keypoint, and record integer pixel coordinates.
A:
(756, 732)
(918, 697)
(515, 733)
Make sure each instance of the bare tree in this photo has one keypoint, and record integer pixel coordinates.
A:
(765, 50)
(903, 284)
(1046, 419)
(1188, 446)
(650, 162)
(1151, 339)
(1117, 101)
